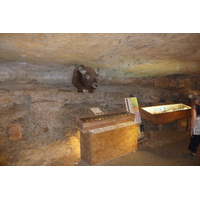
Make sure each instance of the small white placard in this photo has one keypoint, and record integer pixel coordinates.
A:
(96, 111)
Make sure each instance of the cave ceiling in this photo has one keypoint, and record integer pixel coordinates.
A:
(116, 54)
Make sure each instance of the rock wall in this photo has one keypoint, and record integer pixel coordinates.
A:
(43, 101)
(23, 72)
(47, 113)
(45, 104)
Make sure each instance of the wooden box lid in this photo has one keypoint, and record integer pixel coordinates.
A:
(87, 123)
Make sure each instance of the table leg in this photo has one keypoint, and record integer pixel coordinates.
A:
(159, 133)
(188, 125)
(176, 125)
(148, 129)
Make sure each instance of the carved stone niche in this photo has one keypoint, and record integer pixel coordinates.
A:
(14, 131)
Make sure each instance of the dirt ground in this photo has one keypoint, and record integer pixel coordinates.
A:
(169, 152)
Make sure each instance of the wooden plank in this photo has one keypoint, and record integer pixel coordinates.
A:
(87, 123)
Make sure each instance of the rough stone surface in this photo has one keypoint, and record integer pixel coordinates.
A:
(14, 131)
(117, 55)
(36, 88)
(47, 114)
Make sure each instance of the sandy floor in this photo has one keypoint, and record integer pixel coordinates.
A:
(170, 152)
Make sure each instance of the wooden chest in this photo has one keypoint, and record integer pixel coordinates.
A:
(108, 136)
(104, 144)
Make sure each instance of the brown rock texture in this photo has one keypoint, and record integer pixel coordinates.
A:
(116, 54)
(14, 131)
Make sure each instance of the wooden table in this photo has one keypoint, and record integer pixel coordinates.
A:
(164, 114)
